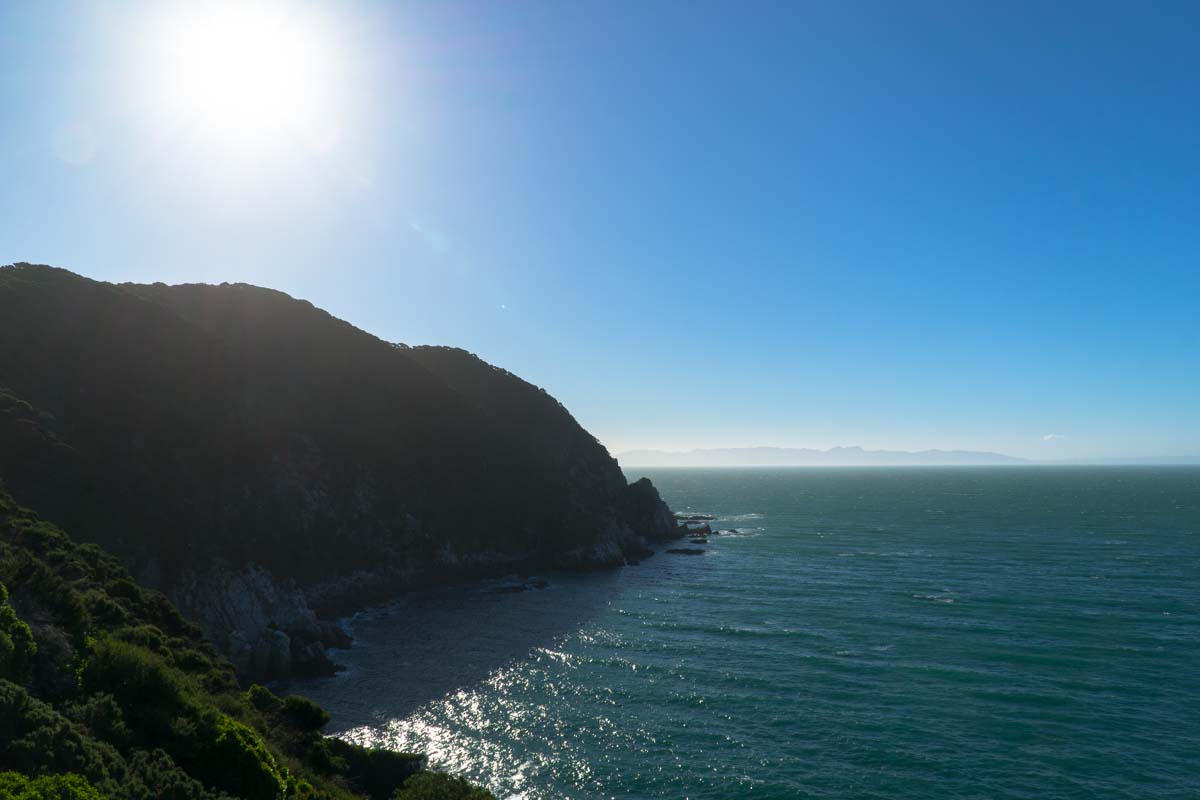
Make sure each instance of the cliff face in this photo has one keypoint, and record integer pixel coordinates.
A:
(259, 460)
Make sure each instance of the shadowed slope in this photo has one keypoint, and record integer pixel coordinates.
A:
(219, 428)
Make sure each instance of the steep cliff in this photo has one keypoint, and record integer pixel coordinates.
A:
(259, 460)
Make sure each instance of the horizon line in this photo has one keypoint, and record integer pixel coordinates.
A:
(644, 457)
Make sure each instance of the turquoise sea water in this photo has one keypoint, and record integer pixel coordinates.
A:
(865, 633)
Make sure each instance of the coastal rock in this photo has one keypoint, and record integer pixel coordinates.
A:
(686, 551)
(596, 556)
(240, 652)
(311, 660)
(332, 634)
(513, 585)
(273, 654)
(265, 626)
(646, 513)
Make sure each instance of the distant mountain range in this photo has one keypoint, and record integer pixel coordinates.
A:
(852, 457)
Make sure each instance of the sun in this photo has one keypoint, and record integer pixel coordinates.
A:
(244, 72)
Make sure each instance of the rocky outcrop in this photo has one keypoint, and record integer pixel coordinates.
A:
(265, 626)
(645, 511)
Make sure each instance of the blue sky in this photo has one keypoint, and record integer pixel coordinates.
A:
(897, 225)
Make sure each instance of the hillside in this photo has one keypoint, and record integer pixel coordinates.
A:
(263, 462)
(107, 691)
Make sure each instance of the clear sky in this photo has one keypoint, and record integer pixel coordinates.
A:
(896, 225)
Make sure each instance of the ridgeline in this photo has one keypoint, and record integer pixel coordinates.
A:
(270, 467)
(267, 468)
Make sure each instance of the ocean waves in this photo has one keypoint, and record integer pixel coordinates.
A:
(850, 648)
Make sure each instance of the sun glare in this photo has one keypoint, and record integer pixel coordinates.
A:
(244, 72)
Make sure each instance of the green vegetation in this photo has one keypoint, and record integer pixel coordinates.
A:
(439, 786)
(47, 787)
(17, 647)
(107, 692)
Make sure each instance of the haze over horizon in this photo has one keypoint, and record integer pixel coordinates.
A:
(893, 226)
(852, 455)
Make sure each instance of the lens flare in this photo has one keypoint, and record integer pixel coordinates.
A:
(245, 72)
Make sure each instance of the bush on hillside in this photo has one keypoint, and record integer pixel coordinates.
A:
(46, 787)
(304, 714)
(440, 786)
(17, 647)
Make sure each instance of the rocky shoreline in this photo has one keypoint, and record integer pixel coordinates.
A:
(276, 629)
(698, 529)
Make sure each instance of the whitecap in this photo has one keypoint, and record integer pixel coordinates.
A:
(936, 598)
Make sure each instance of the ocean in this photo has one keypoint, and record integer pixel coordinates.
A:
(1012, 632)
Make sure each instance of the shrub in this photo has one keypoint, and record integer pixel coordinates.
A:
(17, 647)
(47, 787)
(440, 786)
(304, 714)
(131, 672)
(154, 775)
(193, 660)
(123, 588)
(374, 771)
(321, 758)
(146, 636)
(231, 757)
(103, 609)
(150, 691)
(102, 716)
(263, 699)
(219, 680)
(34, 738)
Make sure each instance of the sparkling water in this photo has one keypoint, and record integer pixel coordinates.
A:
(851, 633)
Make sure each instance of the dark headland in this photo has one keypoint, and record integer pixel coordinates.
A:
(267, 468)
